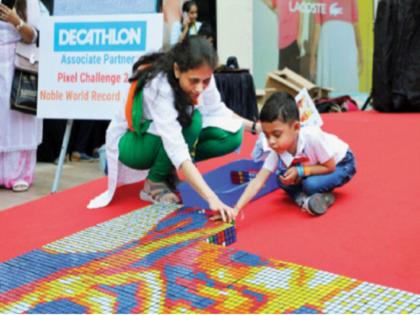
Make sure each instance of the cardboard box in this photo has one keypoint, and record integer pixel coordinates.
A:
(289, 81)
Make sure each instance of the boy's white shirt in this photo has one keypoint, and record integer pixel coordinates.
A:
(308, 113)
(315, 144)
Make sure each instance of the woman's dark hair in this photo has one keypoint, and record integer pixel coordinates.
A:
(193, 52)
(186, 7)
(20, 6)
(280, 106)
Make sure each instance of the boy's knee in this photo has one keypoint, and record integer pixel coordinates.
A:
(311, 186)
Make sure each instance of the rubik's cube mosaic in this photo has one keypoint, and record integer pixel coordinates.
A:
(157, 260)
(241, 177)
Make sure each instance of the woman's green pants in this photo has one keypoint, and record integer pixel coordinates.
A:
(145, 151)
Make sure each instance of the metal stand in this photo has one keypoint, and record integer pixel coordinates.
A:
(365, 105)
(62, 156)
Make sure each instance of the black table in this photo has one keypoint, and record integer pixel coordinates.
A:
(237, 90)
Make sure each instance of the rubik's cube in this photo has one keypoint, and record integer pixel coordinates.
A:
(224, 238)
(240, 177)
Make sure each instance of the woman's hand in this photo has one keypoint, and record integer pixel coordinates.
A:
(197, 182)
(9, 15)
(227, 213)
(186, 22)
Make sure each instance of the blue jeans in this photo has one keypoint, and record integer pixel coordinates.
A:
(310, 185)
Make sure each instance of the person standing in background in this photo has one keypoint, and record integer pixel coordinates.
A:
(336, 57)
(288, 32)
(188, 24)
(20, 133)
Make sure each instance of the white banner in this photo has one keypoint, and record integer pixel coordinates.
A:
(96, 7)
(85, 62)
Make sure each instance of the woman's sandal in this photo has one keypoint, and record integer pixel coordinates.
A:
(20, 186)
(158, 193)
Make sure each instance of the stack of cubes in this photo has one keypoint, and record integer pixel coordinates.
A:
(241, 177)
(224, 238)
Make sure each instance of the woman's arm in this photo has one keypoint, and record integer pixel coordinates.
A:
(249, 125)
(215, 107)
(27, 33)
(185, 28)
(197, 182)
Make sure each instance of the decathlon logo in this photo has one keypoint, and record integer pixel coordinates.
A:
(100, 36)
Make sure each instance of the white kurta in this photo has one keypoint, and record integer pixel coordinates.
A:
(158, 105)
(17, 131)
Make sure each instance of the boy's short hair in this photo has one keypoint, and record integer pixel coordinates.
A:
(281, 106)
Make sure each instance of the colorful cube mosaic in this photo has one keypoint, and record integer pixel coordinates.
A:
(224, 238)
(156, 260)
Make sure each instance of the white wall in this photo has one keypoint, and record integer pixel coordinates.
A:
(234, 31)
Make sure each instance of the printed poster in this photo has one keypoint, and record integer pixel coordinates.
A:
(85, 62)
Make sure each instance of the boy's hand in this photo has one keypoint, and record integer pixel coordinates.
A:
(290, 177)
(227, 213)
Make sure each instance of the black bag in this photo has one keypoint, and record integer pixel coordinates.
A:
(23, 97)
(337, 104)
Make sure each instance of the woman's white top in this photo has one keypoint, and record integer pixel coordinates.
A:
(177, 30)
(158, 106)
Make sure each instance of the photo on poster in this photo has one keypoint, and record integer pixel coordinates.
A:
(308, 113)
(329, 42)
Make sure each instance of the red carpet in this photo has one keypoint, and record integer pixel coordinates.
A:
(372, 233)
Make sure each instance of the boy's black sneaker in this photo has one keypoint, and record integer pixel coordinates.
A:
(317, 204)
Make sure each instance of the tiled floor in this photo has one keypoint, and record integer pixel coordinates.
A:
(73, 174)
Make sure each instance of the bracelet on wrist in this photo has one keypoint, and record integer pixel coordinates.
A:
(300, 171)
(20, 25)
(254, 128)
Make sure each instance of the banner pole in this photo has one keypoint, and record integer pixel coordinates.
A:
(62, 156)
